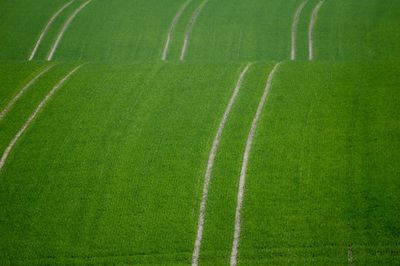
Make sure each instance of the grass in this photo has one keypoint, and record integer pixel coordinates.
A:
(111, 170)
(236, 30)
(21, 24)
(134, 30)
(85, 194)
(353, 30)
(329, 143)
(13, 77)
(22, 109)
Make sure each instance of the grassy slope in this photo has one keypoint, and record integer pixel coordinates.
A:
(357, 30)
(22, 109)
(21, 23)
(218, 229)
(236, 30)
(112, 169)
(97, 176)
(323, 174)
(180, 30)
(134, 30)
(13, 77)
(54, 30)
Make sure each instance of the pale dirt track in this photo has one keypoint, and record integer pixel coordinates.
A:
(64, 29)
(172, 28)
(245, 161)
(46, 29)
(210, 164)
(189, 28)
(295, 23)
(10, 105)
(33, 115)
(311, 27)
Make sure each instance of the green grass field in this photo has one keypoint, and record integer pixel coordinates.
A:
(111, 168)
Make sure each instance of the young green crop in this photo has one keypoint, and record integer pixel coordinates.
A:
(322, 177)
(113, 165)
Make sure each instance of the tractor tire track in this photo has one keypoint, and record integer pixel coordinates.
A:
(189, 28)
(22, 91)
(295, 23)
(311, 27)
(172, 28)
(210, 164)
(47, 27)
(33, 115)
(64, 29)
(243, 172)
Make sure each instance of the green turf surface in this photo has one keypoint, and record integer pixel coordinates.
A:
(236, 30)
(29, 101)
(323, 174)
(118, 152)
(13, 77)
(358, 30)
(118, 30)
(111, 170)
(21, 23)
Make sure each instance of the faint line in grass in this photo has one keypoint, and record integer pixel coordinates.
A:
(210, 164)
(311, 27)
(33, 115)
(64, 29)
(189, 28)
(47, 27)
(295, 23)
(350, 255)
(172, 28)
(245, 161)
(22, 91)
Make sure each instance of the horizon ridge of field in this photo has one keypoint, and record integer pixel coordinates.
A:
(199, 132)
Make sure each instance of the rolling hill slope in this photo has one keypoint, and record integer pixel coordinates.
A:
(147, 157)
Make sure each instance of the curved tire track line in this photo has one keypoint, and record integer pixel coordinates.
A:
(47, 27)
(33, 115)
(210, 164)
(22, 91)
(189, 28)
(311, 27)
(64, 29)
(295, 23)
(243, 172)
(172, 28)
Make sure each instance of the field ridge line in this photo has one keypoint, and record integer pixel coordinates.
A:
(189, 28)
(47, 27)
(311, 27)
(33, 115)
(172, 28)
(210, 164)
(64, 29)
(243, 172)
(295, 23)
(22, 91)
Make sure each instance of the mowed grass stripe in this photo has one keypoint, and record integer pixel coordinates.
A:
(33, 115)
(189, 28)
(22, 91)
(311, 27)
(64, 29)
(47, 27)
(295, 23)
(172, 28)
(243, 172)
(210, 164)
